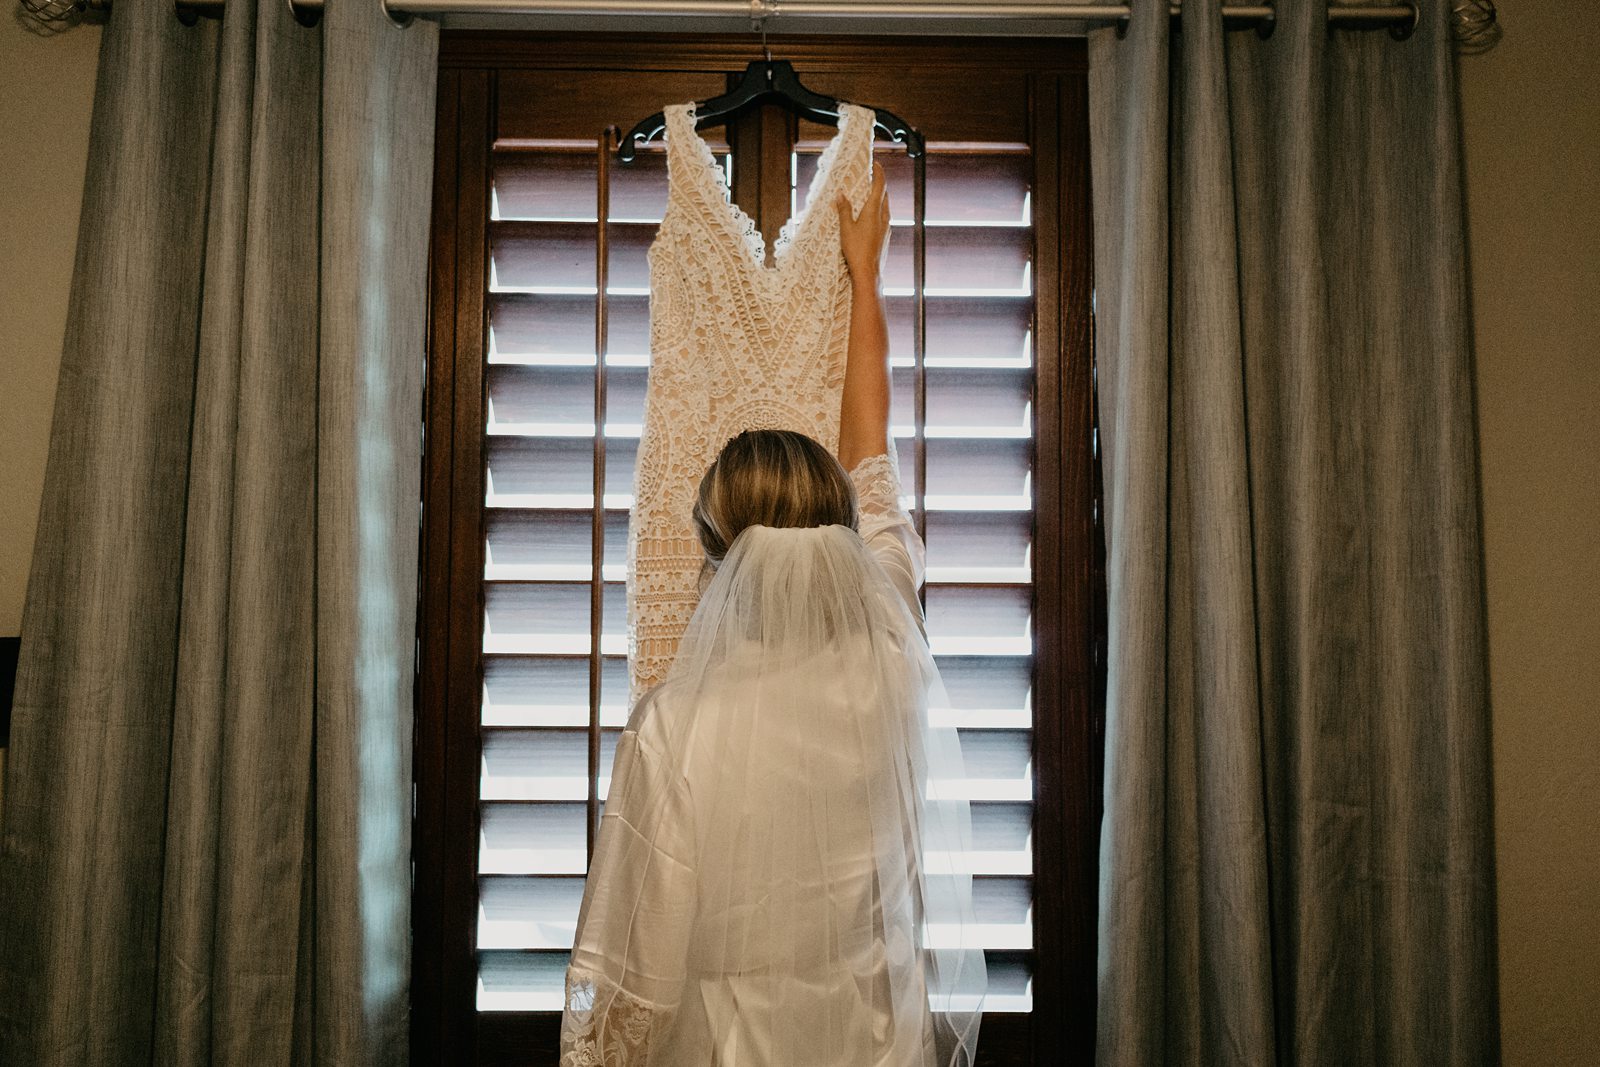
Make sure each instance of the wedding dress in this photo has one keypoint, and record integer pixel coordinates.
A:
(734, 345)
(778, 879)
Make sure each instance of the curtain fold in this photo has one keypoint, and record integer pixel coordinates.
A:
(1296, 856)
(206, 853)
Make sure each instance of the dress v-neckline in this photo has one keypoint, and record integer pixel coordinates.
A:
(742, 225)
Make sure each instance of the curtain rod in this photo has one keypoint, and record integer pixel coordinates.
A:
(1400, 19)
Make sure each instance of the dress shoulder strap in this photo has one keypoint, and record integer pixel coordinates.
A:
(853, 161)
(674, 118)
(689, 160)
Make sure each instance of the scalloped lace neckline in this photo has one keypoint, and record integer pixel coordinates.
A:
(743, 226)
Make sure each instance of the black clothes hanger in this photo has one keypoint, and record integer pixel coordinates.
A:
(771, 80)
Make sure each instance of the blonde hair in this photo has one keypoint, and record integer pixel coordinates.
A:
(778, 478)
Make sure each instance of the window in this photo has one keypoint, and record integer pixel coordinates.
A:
(531, 440)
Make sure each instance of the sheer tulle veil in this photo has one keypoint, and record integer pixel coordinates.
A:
(781, 876)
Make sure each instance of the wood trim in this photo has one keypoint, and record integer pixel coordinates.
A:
(744, 136)
(479, 101)
(433, 642)
(1067, 804)
(1051, 1033)
(597, 511)
(778, 134)
(769, 136)
(1083, 712)
(517, 1039)
(444, 906)
(1068, 583)
(699, 51)
(521, 1039)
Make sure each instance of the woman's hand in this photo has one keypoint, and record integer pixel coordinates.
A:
(864, 239)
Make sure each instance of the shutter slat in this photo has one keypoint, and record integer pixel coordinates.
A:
(966, 402)
(542, 913)
(973, 475)
(523, 839)
(975, 188)
(556, 466)
(559, 401)
(556, 326)
(979, 546)
(979, 260)
(529, 913)
(550, 545)
(556, 185)
(542, 764)
(963, 330)
(560, 256)
(521, 981)
(965, 611)
(543, 837)
(988, 687)
(550, 609)
(561, 185)
(548, 691)
(513, 980)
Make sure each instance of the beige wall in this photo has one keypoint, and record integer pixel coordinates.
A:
(1532, 114)
(1532, 117)
(46, 93)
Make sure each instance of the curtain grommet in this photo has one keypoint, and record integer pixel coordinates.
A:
(1402, 31)
(1123, 22)
(401, 19)
(305, 14)
(188, 12)
(1265, 26)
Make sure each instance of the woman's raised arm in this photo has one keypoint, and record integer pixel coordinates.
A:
(864, 406)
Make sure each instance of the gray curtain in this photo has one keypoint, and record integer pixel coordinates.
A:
(206, 828)
(1296, 863)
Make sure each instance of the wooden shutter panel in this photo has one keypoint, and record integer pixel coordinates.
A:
(540, 369)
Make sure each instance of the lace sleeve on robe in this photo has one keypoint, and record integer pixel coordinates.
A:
(887, 529)
(601, 1023)
(629, 957)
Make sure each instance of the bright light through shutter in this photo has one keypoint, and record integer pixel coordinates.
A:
(977, 500)
(539, 657)
(540, 660)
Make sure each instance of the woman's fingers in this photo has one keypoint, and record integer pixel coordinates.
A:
(864, 234)
(877, 197)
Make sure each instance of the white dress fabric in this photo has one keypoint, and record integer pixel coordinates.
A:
(734, 345)
(779, 877)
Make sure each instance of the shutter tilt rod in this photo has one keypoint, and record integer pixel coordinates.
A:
(1400, 19)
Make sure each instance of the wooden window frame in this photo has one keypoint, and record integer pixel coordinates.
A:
(1069, 655)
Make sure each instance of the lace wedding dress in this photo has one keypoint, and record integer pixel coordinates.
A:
(735, 344)
(780, 879)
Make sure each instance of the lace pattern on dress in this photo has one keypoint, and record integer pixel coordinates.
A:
(877, 482)
(602, 1025)
(734, 345)
(718, 190)
(754, 243)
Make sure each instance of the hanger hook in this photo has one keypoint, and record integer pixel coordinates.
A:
(760, 10)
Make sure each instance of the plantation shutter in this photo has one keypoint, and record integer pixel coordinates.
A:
(558, 486)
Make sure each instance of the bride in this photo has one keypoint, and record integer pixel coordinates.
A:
(780, 879)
